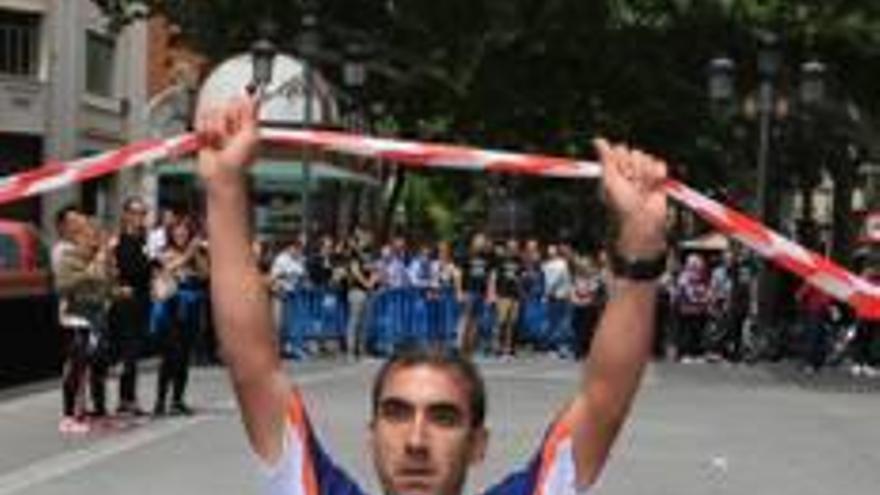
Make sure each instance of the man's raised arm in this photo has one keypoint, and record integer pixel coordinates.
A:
(242, 311)
(633, 189)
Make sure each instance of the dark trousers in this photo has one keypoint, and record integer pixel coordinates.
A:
(817, 341)
(174, 370)
(866, 346)
(129, 318)
(75, 367)
(584, 320)
(79, 361)
(731, 343)
(177, 344)
(474, 337)
(690, 335)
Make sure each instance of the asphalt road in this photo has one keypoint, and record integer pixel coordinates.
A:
(696, 429)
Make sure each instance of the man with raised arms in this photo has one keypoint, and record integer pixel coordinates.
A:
(428, 406)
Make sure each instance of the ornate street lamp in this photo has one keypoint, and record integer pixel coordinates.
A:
(721, 81)
(354, 77)
(354, 72)
(813, 74)
(721, 87)
(263, 53)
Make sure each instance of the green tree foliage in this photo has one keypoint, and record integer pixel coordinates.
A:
(549, 75)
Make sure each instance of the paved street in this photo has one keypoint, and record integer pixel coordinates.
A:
(698, 429)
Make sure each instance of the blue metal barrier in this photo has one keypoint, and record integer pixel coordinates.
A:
(532, 320)
(397, 317)
(312, 314)
(411, 316)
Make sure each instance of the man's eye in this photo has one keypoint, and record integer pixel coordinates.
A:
(395, 412)
(445, 417)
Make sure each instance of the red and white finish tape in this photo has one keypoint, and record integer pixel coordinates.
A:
(56, 175)
(818, 270)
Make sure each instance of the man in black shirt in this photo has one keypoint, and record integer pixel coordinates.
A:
(130, 310)
(479, 274)
(319, 265)
(510, 268)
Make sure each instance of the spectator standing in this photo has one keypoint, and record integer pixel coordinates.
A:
(185, 261)
(131, 309)
(866, 345)
(532, 297)
(479, 282)
(361, 282)
(447, 279)
(287, 273)
(319, 265)
(157, 238)
(81, 265)
(557, 275)
(815, 308)
(587, 298)
(692, 306)
(64, 257)
(510, 272)
(737, 308)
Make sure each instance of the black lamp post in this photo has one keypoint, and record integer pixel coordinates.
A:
(722, 89)
(263, 52)
(354, 76)
(308, 47)
(769, 65)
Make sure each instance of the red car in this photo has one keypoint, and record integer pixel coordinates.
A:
(30, 341)
(24, 264)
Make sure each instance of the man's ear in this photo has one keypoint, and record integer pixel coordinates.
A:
(371, 436)
(479, 444)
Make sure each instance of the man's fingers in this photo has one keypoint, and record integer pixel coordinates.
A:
(232, 117)
(217, 126)
(251, 111)
(602, 148)
(203, 126)
(641, 164)
(658, 173)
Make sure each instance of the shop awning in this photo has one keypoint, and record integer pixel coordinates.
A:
(279, 175)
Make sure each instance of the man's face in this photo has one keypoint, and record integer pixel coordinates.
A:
(399, 245)
(135, 215)
(73, 225)
(421, 435)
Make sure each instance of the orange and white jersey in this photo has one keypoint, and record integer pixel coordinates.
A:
(305, 468)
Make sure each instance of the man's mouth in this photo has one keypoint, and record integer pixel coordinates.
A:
(415, 476)
(415, 472)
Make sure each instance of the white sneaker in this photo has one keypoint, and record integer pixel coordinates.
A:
(870, 372)
(856, 370)
(72, 426)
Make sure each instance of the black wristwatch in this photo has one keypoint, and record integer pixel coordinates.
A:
(638, 269)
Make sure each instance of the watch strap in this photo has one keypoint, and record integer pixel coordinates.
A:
(638, 269)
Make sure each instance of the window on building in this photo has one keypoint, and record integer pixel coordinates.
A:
(19, 43)
(100, 63)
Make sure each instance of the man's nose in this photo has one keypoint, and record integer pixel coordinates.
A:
(417, 436)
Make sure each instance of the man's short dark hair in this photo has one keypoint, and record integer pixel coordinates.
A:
(62, 214)
(440, 357)
(131, 201)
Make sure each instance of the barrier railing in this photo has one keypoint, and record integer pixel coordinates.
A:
(392, 318)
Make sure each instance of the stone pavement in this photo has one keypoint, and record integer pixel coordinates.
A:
(696, 429)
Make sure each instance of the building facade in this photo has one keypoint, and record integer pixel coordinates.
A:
(69, 88)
